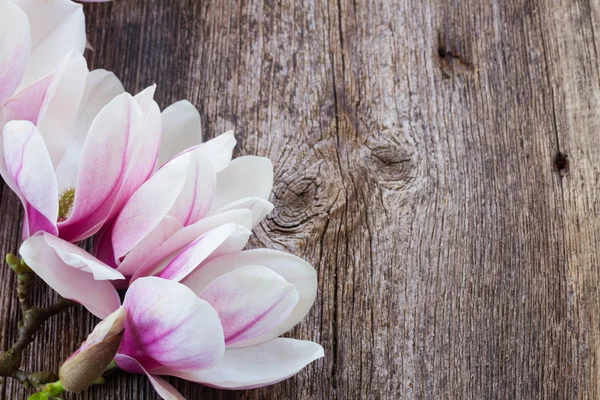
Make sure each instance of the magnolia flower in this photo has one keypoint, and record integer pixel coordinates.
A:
(35, 38)
(42, 71)
(203, 204)
(110, 152)
(219, 328)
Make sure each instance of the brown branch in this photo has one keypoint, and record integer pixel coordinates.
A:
(32, 320)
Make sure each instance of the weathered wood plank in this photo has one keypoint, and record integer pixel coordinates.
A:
(438, 163)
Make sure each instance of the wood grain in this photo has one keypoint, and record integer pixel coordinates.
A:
(438, 162)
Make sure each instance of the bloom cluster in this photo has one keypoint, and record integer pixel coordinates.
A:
(169, 215)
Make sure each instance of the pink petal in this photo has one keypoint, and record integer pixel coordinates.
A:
(168, 325)
(140, 216)
(118, 156)
(163, 231)
(162, 387)
(244, 177)
(256, 366)
(199, 250)
(73, 273)
(197, 194)
(51, 103)
(251, 301)
(100, 88)
(293, 269)
(57, 27)
(159, 258)
(27, 104)
(180, 130)
(15, 44)
(30, 171)
(106, 155)
(144, 147)
(260, 208)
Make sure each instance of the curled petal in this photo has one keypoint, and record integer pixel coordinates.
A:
(160, 257)
(57, 27)
(73, 273)
(180, 130)
(15, 44)
(168, 325)
(293, 269)
(256, 366)
(244, 177)
(162, 387)
(31, 173)
(251, 301)
(200, 249)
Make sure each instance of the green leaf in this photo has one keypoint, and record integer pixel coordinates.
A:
(38, 396)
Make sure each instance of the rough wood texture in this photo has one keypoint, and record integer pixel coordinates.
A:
(437, 161)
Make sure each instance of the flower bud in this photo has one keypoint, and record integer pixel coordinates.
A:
(87, 364)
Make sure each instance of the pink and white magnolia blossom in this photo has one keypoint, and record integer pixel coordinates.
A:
(203, 204)
(220, 327)
(73, 189)
(42, 71)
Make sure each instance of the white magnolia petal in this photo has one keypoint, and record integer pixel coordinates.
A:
(196, 196)
(73, 282)
(57, 27)
(260, 208)
(168, 325)
(248, 176)
(293, 269)
(61, 102)
(101, 87)
(15, 44)
(256, 366)
(30, 171)
(140, 216)
(200, 250)
(162, 387)
(181, 129)
(159, 235)
(251, 301)
(158, 259)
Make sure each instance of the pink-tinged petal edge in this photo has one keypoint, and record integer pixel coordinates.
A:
(157, 260)
(200, 250)
(70, 271)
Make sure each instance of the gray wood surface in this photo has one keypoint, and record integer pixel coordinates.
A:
(437, 161)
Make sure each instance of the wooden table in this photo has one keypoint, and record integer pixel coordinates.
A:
(438, 162)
